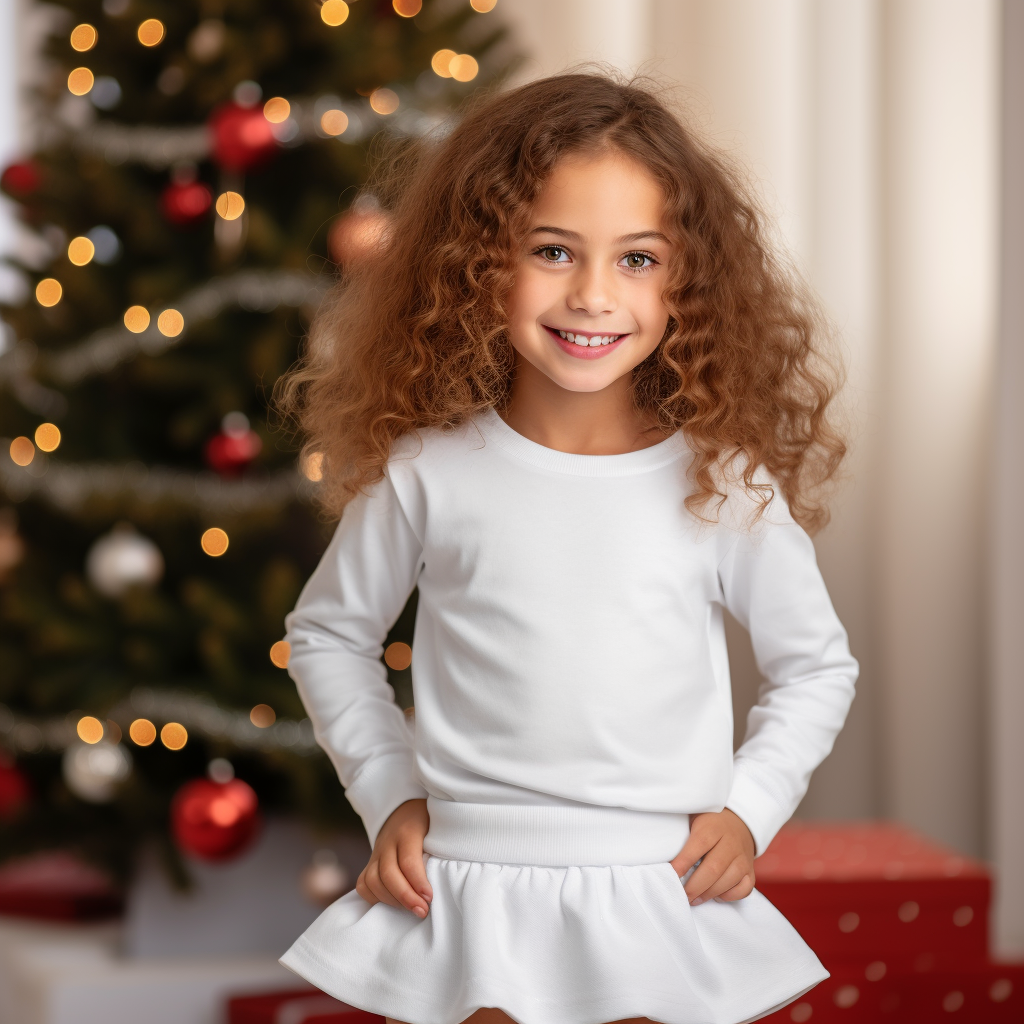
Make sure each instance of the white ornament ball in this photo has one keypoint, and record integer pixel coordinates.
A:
(93, 771)
(121, 559)
(325, 879)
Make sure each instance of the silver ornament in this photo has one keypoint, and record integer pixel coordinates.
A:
(121, 559)
(93, 771)
(325, 879)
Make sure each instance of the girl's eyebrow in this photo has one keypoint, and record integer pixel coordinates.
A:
(574, 236)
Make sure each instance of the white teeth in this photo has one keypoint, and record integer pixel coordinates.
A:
(584, 342)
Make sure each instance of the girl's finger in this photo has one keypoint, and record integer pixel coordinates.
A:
(399, 888)
(740, 891)
(410, 860)
(695, 847)
(363, 889)
(378, 886)
(710, 869)
(732, 875)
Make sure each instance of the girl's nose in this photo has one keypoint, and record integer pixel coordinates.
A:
(592, 291)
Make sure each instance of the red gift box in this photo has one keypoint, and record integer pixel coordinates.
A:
(57, 886)
(298, 1006)
(900, 923)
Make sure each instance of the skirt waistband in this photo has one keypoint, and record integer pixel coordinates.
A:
(552, 836)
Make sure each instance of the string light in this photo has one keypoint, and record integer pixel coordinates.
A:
(136, 319)
(483, 6)
(384, 101)
(170, 323)
(398, 656)
(174, 736)
(214, 542)
(313, 467)
(334, 122)
(230, 205)
(334, 13)
(143, 732)
(263, 716)
(464, 68)
(440, 62)
(47, 437)
(49, 291)
(151, 32)
(89, 729)
(83, 37)
(407, 8)
(80, 81)
(81, 251)
(277, 109)
(23, 451)
(280, 653)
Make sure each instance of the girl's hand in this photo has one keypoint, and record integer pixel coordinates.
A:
(727, 870)
(395, 874)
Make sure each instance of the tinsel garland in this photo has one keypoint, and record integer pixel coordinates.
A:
(200, 715)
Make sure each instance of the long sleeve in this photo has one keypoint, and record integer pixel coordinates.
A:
(336, 634)
(771, 584)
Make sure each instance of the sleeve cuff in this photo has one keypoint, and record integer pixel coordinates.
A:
(758, 808)
(385, 784)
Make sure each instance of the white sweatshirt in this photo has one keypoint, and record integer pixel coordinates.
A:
(569, 647)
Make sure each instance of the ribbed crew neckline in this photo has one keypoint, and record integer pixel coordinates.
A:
(494, 428)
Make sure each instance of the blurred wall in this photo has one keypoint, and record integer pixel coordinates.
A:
(872, 130)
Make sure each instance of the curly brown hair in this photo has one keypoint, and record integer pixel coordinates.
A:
(417, 336)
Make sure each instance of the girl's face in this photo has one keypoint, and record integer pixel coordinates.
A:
(587, 304)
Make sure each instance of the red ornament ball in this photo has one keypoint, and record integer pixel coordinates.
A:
(230, 451)
(242, 138)
(14, 791)
(214, 820)
(185, 203)
(21, 180)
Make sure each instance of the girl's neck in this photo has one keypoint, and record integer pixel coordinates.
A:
(582, 423)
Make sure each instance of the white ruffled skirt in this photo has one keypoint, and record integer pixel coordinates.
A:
(610, 938)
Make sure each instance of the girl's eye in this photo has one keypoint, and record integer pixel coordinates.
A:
(552, 253)
(638, 261)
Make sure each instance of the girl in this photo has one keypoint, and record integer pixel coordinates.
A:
(574, 400)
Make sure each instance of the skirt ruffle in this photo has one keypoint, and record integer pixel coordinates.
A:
(558, 945)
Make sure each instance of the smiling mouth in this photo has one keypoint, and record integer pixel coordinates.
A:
(586, 339)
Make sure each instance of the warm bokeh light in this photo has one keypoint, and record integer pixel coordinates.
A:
(464, 68)
(280, 653)
(398, 656)
(80, 81)
(384, 101)
(136, 319)
(112, 731)
(214, 542)
(47, 437)
(277, 109)
(262, 716)
(174, 736)
(23, 451)
(81, 251)
(230, 205)
(151, 32)
(440, 61)
(90, 730)
(170, 323)
(334, 122)
(142, 732)
(83, 37)
(334, 12)
(313, 467)
(48, 291)
(483, 6)
(407, 8)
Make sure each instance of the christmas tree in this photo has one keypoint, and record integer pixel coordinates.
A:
(189, 202)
